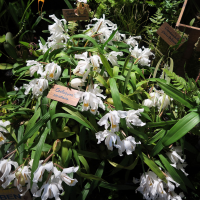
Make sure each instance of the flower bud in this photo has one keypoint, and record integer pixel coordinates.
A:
(108, 91)
(56, 145)
(110, 100)
(66, 144)
(148, 103)
(77, 82)
(66, 129)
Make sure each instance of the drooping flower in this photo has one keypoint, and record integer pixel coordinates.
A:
(96, 61)
(64, 177)
(40, 170)
(35, 67)
(111, 138)
(91, 99)
(3, 125)
(52, 71)
(141, 54)
(50, 189)
(165, 103)
(131, 41)
(83, 65)
(128, 144)
(77, 82)
(5, 167)
(132, 117)
(112, 57)
(114, 119)
(37, 86)
(148, 103)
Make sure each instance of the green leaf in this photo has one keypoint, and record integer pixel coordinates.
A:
(106, 64)
(2, 38)
(126, 63)
(117, 187)
(38, 152)
(130, 167)
(68, 4)
(172, 172)
(5, 66)
(175, 94)
(88, 154)
(89, 176)
(157, 66)
(109, 39)
(32, 121)
(156, 137)
(21, 148)
(77, 114)
(161, 124)
(154, 167)
(34, 129)
(85, 163)
(10, 50)
(102, 81)
(182, 127)
(138, 133)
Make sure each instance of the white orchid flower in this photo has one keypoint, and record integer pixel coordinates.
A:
(112, 57)
(5, 167)
(56, 28)
(131, 41)
(170, 186)
(96, 61)
(52, 71)
(51, 189)
(77, 82)
(166, 101)
(128, 144)
(83, 1)
(110, 140)
(175, 155)
(148, 103)
(40, 170)
(154, 98)
(2, 139)
(3, 126)
(64, 177)
(141, 54)
(91, 99)
(132, 117)
(37, 86)
(114, 118)
(83, 65)
(44, 47)
(173, 196)
(35, 67)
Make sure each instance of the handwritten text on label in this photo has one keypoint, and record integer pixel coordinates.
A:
(168, 34)
(63, 94)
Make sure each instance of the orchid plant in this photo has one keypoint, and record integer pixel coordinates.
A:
(43, 141)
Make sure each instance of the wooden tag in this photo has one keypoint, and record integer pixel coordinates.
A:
(169, 35)
(63, 94)
(13, 193)
(69, 15)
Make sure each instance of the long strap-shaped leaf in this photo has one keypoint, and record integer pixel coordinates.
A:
(38, 152)
(172, 172)
(181, 128)
(106, 64)
(37, 126)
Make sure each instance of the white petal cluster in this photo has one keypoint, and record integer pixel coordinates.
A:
(104, 29)
(58, 37)
(91, 99)
(22, 176)
(2, 129)
(156, 99)
(142, 54)
(112, 57)
(131, 41)
(153, 188)
(37, 86)
(52, 71)
(175, 157)
(111, 139)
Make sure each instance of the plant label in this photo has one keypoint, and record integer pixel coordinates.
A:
(169, 35)
(13, 193)
(69, 15)
(63, 94)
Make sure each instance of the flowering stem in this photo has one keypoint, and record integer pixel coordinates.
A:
(58, 166)
(49, 176)
(47, 158)
(18, 168)
(10, 153)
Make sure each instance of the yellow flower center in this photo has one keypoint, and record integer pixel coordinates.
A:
(113, 125)
(40, 89)
(93, 110)
(95, 68)
(51, 75)
(86, 104)
(1, 139)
